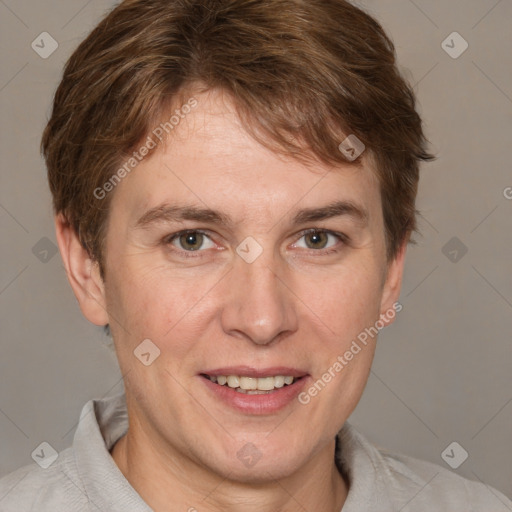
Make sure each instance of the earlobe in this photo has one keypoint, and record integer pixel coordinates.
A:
(392, 286)
(82, 272)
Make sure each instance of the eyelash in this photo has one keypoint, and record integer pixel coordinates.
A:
(195, 254)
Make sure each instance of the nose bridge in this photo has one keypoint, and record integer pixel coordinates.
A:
(258, 305)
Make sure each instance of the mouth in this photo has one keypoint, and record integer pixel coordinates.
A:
(252, 391)
(250, 385)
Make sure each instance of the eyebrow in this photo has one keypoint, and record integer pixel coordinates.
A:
(168, 213)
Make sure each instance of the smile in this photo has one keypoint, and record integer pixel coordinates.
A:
(255, 391)
(252, 385)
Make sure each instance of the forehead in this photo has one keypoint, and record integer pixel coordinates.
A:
(211, 160)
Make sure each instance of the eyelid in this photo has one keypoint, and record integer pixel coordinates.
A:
(341, 237)
(167, 240)
(176, 234)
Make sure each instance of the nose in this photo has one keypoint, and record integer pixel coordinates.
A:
(259, 305)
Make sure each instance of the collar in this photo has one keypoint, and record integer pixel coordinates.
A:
(104, 421)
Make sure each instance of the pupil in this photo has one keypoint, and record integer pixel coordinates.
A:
(192, 241)
(317, 239)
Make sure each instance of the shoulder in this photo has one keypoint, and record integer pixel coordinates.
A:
(32, 488)
(409, 484)
(427, 484)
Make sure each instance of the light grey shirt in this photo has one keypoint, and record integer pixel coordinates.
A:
(84, 477)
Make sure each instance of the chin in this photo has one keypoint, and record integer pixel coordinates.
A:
(252, 465)
(261, 473)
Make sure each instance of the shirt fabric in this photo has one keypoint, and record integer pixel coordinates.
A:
(85, 478)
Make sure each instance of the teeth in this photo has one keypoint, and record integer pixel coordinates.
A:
(279, 381)
(233, 381)
(253, 385)
(265, 383)
(248, 383)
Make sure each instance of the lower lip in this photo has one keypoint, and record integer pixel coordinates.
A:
(267, 403)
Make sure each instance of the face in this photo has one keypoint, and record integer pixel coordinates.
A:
(238, 263)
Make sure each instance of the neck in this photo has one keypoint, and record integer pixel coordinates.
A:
(163, 476)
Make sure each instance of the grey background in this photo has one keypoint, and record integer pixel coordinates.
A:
(442, 372)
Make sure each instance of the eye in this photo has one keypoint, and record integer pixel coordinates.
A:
(190, 240)
(319, 239)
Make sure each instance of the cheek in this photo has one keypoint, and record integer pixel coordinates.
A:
(349, 307)
(345, 302)
(156, 304)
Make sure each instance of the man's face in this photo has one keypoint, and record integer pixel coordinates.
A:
(271, 289)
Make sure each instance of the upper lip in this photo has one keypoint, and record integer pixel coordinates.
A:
(249, 371)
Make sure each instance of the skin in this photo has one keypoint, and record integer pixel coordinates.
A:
(296, 305)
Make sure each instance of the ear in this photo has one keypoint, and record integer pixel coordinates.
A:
(83, 274)
(389, 305)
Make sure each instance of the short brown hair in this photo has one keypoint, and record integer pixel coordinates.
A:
(303, 74)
